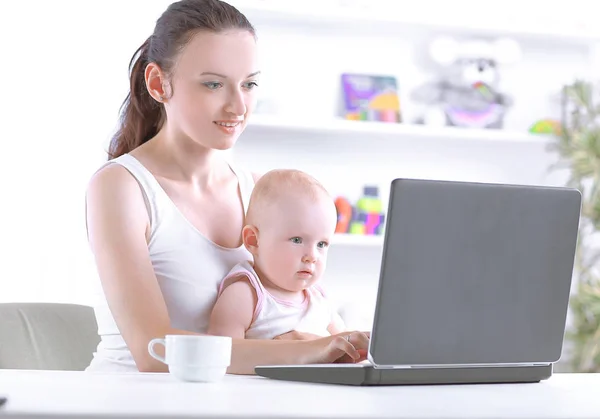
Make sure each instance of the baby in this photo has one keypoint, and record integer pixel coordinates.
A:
(290, 222)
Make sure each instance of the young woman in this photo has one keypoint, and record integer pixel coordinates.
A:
(165, 213)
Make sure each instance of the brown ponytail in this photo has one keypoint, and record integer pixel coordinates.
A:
(140, 113)
(141, 116)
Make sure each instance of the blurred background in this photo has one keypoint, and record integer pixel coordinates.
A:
(356, 92)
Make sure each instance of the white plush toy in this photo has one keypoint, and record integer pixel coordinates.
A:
(467, 95)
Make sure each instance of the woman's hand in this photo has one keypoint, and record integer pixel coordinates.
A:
(346, 347)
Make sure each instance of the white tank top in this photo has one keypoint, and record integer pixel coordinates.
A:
(188, 266)
(274, 316)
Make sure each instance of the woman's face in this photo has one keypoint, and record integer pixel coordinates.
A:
(213, 86)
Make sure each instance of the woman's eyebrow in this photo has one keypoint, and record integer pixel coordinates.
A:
(210, 73)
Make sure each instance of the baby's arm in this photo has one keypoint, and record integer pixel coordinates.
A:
(233, 311)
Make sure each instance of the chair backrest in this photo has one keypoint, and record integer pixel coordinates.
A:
(47, 336)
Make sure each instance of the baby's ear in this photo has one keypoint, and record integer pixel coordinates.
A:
(250, 238)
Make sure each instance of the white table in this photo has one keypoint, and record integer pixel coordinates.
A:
(38, 394)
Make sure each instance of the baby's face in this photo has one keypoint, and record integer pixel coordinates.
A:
(293, 241)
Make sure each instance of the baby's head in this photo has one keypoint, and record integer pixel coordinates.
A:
(290, 222)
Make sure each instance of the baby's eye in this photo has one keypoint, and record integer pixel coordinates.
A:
(322, 245)
(212, 85)
(296, 240)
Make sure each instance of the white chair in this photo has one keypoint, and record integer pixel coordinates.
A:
(47, 336)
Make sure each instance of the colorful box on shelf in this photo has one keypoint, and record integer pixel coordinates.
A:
(365, 218)
(371, 98)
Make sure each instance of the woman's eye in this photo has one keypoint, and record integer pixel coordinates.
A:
(212, 85)
(250, 85)
(296, 240)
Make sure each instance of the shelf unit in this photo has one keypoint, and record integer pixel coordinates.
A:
(263, 130)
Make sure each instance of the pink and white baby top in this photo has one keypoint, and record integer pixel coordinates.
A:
(274, 316)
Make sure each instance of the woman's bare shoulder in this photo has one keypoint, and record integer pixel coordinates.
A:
(112, 179)
(115, 206)
(115, 189)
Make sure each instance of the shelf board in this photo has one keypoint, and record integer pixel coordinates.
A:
(374, 21)
(266, 124)
(357, 240)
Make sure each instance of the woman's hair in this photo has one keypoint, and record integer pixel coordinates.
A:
(141, 116)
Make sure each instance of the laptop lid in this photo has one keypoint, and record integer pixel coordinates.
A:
(474, 273)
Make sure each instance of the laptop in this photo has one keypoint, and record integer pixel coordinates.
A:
(474, 287)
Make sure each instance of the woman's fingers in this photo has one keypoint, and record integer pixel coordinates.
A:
(342, 346)
(359, 340)
(346, 347)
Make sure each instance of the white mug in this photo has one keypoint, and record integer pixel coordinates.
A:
(194, 357)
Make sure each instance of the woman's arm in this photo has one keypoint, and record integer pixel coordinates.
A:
(118, 226)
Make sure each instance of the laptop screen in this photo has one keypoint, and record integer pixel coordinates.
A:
(474, 273)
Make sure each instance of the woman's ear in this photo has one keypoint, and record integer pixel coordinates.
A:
(250, 238)
(155, 82)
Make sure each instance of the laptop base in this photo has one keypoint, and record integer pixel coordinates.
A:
(367, 375)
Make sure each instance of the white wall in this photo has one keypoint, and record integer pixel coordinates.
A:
(64, 73)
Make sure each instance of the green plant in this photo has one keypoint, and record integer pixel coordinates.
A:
(578, 145)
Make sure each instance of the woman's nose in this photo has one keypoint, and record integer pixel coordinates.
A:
(236, 105)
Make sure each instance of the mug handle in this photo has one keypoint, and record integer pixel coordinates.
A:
(154, 354)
